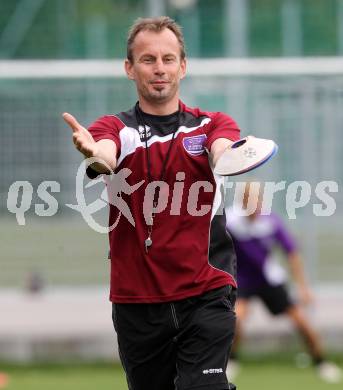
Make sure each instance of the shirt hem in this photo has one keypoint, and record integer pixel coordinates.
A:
(174, 297)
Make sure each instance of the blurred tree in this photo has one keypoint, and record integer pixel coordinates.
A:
(265, 28)
(98, 28)
(211, 28)
(320, 27)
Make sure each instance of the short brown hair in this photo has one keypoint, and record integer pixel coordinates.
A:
(156, 25)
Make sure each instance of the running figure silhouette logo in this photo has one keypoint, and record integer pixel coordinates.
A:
(116, 185)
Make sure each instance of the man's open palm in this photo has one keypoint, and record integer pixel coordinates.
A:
(82, 138)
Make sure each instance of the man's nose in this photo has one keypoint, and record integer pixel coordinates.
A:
(159, 67)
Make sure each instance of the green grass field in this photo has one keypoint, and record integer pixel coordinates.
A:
(265, 374)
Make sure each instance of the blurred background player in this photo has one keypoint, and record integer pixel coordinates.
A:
(255, 237)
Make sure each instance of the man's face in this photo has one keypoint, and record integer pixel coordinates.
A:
(157, 67)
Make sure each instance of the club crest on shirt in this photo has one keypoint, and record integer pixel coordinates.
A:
(195, 145)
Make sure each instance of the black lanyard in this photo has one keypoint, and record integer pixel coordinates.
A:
(140, 120)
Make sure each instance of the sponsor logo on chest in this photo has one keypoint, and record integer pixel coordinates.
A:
(144, 131)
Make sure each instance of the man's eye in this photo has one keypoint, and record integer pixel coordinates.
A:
(169, 59)
(148, 60)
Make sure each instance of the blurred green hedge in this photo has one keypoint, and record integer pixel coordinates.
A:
(98, 28)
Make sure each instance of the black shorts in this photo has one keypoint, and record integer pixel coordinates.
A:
(177, 345)
(276, 298)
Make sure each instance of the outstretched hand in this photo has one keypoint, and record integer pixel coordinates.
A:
(82, 138)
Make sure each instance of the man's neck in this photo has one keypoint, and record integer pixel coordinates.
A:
(165, 108)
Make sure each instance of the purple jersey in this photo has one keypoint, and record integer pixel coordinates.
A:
(254, 242)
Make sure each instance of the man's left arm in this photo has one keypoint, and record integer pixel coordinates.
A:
(223, 131)
(218, 147)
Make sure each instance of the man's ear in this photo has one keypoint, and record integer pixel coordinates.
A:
(129, 70)
(183, 68)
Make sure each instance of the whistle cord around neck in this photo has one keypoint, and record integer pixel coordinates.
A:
(165, 162)
(150, 222)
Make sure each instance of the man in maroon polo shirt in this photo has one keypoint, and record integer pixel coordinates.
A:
(173, 267)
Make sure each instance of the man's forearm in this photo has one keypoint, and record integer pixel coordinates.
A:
(106, 157)
(218, 147)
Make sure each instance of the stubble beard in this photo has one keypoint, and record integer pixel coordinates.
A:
(160, 96)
